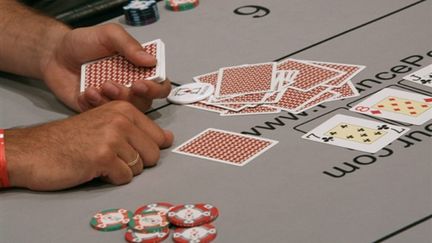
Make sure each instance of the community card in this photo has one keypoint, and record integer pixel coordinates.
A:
(355, 133)
(246, 79)
(118, 69)
(397, 105)
(309, 75)
(226, 147)
(422, 76)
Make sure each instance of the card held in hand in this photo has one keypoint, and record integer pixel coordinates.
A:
(226, 147)
(118, 69)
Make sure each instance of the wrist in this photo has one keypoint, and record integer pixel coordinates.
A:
(53, 38)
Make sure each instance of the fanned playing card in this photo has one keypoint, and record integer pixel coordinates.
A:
(309, 75)
(397, 105)
(118, 69)
(349, 70)
(226, 147)
(355, 133)
(246, 79)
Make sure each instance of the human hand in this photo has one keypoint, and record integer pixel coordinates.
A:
(95, 144)
(61, 69)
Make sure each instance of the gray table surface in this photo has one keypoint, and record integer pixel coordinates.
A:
(283, 195)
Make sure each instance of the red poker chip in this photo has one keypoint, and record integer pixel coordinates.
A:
(137, 237)
(155, 207)
(204, 234)
(149, 222)
(191, 215)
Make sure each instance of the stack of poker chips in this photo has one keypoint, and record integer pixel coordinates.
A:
(181, 5)
(152, 223)
(140, 12)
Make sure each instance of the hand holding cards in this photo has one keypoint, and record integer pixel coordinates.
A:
(118, 69)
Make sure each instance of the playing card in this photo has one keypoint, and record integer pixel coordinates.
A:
(422, 76)
(397, 105)
(355, 133)
(346, 90)
(203, 106)
(324, 97)
(255, 98)
(255, 110)
(118, 69)
(310, 75)
(209, 78)
(226, 147)
(349, 70)
(246, 79)
(292, 98)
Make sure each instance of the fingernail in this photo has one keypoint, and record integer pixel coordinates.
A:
(147, 57)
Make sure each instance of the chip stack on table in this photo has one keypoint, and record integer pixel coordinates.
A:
(290, 85)
(141, 12)
(151, 223)
(181, 5)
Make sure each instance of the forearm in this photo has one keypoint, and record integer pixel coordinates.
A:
(27, 39)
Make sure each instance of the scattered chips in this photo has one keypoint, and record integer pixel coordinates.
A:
(181, 5)
(191, 215)
(203, 234)
(150, 222)
(111, 219)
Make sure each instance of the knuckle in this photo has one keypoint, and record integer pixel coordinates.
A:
(118, 121)
(112, 28)
(122, 106)
(152, 157)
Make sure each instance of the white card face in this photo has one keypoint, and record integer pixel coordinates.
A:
(355, 133)
(422, 76)
(397, 105)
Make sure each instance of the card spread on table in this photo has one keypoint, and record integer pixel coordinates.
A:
(397, 105)
(294, 86)
(355, 133)
(118, 69)
(226, 147)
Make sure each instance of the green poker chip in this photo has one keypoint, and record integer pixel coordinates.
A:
(111, 219)
(181, 5)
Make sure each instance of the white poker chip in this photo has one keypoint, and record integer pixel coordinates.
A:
(190, 93)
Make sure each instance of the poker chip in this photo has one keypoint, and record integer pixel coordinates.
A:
(190, 93)
(111, 219)
(137, 237)
(191, 215)
(181, 5)
(202, 234)
(139, 13)
(155, 207)
(149, 222)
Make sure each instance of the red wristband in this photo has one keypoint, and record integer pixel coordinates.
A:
(4, 178)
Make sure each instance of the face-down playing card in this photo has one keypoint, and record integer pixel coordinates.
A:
(226, 147)
(397, 105)
(355, 133)
(246, 79)
(118, 69)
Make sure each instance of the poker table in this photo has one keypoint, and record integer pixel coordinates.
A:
(299, 190)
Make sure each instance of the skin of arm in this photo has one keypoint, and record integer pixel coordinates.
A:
(38, 46)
